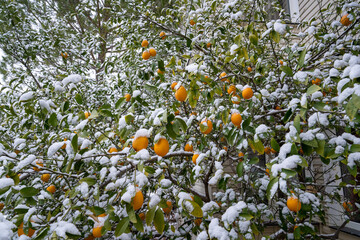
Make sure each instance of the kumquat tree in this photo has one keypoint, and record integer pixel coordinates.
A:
(180, 119)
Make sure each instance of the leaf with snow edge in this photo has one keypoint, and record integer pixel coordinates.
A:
(129, 118)
(312, 143)
(287, 116)
(119, 102)
(272, 188)
(89, 180)
(41, 234)
(287, 70)
(149, 217)
(275, 36)
(246, 216)
(159, 221)
(182, 123)
(5, 184)
(94, 114)
(29, 191)
(301, 59)
(289, 173)
(197, 211)
(170, 131)
(274, 145)
(352, 106)
(313, 88)
(122, 226)
(355, 148)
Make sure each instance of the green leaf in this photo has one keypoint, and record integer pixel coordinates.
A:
(313, 88)
(273, 183)
(74, 143)
(94, 114)
(254, 160)
(172, 62)
(89, 180)
(98, 210)
(41, 234)
(287, 115)
(240, 169)
(53, 120)
(29, 191)
(321, 148)
(159, 221)
(149, 217)
(303, 163)
(119, 102)
(301, 59)
(122, 226)
(275, 145)
(247, 216)
(197, 212)
(355, 148)
(259, 147)
(352, 106)
(170, 131)
(289, 173)
(287, 70)
(78, 98)
(149, 169)
(297, 123)
(139, 224)
(253, 39)
(131, 213)
(129, 118)
(161, 65)
(319, 106)
(275, 36)
(312, 143)
(182, 124)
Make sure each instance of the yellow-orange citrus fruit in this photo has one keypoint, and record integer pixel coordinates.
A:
(162, 35)
(317, 81)
(87, 114)
(97, 232)
(198, 221)
(209, 126)
(241, 154)
(194, 157)
(1, 206)
(208, 45)
(295, 227)
(113, 149)
(236, 119)
(161, 148)
(138, 200)
(347, 206)
(277, 108)
(160, 72)
(249, 69)
(140, 143)
(188, 148)
(223, 74)
(142, 216)
(267, 150)
(272, 150)
(181, 94)
(177, 112)
(231, 89)
(281, 62)
(173, 85)
(152, 52)
(192, 22)
(102, 215)
(64, 146)
(39, 164)
(21, 231)
(293, 204)
(51, 189)
(45, 177)
(146, 55)
(17, 151)
(225, 148)
(127, 97)
(144, 43)
(267, 172)
(247, 93)
(167, 210)
(345, 20)
(236, 100)
(64, 55)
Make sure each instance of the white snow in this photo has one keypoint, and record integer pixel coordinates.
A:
(6, 228)
(355, 72)
(27, 96)
(142, 133)
(233, 49)
(154, 200)
(352, 158)
(23, 163)
(54, 148)
(289, 163)
(165, 183)
(280, 27)
(6, 182)
(194, 68)
(73, 78)
(81, 125)
(216, 231)
(142, 154)
(136, 93)
(318, 117)
(300, 76)
(62, 227)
